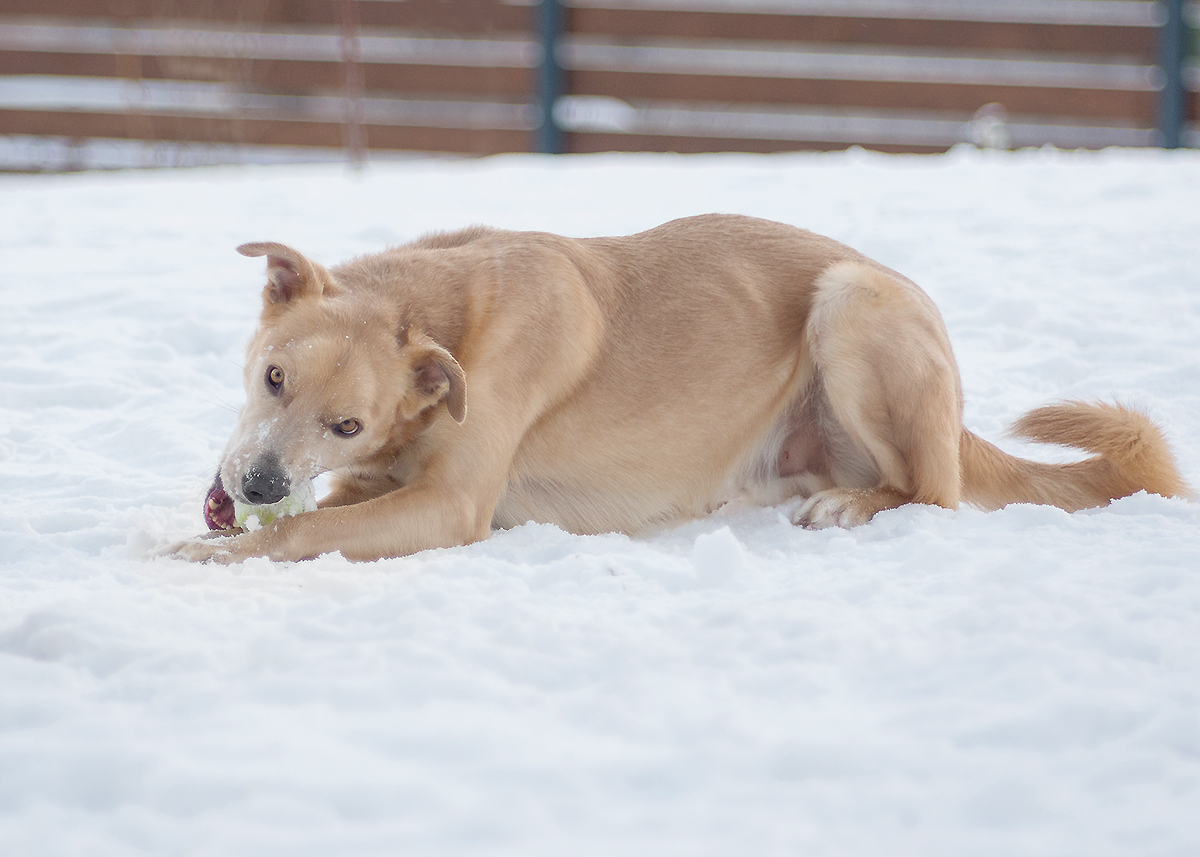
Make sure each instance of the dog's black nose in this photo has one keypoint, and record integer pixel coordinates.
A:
(265, 482)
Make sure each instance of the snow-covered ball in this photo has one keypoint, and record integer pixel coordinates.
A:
(302, 499)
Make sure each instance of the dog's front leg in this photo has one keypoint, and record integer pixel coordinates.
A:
(212, 547)
(413, 518)
(276, 541)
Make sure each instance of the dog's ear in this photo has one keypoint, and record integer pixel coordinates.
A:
(291, 276)
(436, 375)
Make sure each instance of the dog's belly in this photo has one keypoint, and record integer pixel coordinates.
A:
(588, 510)
(797, 457)
(585, 509)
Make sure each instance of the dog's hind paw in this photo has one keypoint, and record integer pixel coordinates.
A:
(845, 507)
(827, 509)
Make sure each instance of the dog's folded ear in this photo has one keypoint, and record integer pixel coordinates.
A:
(436, 375)
(291, 276)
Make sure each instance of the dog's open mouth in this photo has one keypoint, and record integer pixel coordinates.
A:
(218, 508)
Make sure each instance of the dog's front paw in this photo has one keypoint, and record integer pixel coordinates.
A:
(219, 550)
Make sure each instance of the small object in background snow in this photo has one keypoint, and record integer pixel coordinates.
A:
(302, 499)
(988, 128)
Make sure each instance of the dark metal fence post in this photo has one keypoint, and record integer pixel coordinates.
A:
(1172, 107)
(352, 84)
(550, 77)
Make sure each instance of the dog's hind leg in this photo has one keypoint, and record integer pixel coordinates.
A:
(892, 402)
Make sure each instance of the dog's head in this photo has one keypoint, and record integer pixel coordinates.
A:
(332, 378)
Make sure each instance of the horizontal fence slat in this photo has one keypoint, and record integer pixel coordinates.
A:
(1079, 103)
(294, 76)
(1137, 42)
(145, 97)
(800, 61)
(918, 128)
(593, 143)
(1107, 12)
(273, 131)
(374, 47)
(458, 16)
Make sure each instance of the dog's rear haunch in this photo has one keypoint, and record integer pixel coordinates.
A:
(486, 378)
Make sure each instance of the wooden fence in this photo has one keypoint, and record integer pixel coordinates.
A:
(489, 76)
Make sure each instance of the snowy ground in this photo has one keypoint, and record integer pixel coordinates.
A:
(1025, 682)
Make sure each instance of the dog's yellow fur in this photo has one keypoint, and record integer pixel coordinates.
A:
(616, 384)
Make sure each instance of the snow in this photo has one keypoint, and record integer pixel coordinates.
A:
(1024, 682)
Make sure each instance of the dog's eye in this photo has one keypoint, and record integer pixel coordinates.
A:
(346, 428)
(274, 377)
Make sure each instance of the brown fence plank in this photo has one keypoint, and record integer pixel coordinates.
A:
(508, 83)
(254, 131)
(458, 16)
(484, 142)
(285, 76)
(451, 16)
(590, 143)
(290, 11)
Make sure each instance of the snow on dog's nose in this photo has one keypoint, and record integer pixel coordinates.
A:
(265, 481)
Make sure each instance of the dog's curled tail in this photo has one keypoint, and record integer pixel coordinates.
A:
(1129, 451)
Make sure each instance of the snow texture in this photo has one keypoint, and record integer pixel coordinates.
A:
(1024, 682)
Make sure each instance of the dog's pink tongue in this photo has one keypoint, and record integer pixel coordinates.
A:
(218, 509)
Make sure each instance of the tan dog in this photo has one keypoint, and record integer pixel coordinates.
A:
(485, 378)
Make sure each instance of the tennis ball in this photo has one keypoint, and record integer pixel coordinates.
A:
(302, 499)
